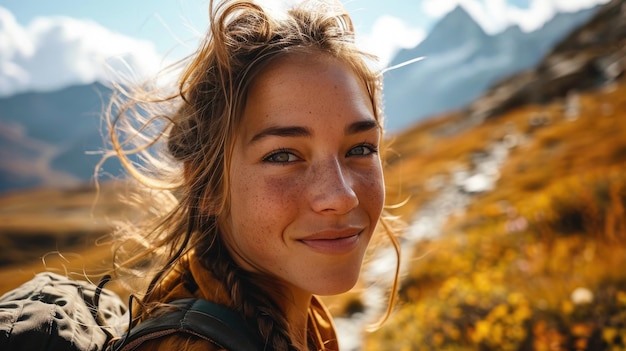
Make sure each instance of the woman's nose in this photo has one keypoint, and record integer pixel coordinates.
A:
(331, 189)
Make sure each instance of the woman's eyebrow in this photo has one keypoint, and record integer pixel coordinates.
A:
(287, 131)
(297, 131)
(361, 126)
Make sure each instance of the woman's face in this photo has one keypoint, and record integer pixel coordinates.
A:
(306, 186)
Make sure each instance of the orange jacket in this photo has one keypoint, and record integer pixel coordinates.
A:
(190, 273)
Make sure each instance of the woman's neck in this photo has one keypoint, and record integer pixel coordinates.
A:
(297, 313)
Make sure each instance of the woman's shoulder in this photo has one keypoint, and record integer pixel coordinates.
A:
(179, 342)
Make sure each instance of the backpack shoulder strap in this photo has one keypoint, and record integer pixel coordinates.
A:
(204, 319)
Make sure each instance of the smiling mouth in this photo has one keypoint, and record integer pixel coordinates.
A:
(334, 246)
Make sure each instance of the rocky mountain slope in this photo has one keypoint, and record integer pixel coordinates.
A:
(590, 57)
(462, 61)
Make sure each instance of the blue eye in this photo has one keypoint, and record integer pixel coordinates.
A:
(280, 157)
(362, 150)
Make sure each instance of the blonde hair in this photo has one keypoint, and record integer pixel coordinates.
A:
(198, 124)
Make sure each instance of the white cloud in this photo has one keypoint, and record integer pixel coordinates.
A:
(576, 5)
(496, 15)
(53, 52)
(389, 34)
(438, 8)
(540, 11)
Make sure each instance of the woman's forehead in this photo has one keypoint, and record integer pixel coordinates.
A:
(297, 90)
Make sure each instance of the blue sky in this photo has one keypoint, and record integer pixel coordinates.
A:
(166, 22)
(47, 44)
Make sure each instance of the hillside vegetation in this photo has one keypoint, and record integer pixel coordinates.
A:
(59, 230)
(532, 259)
(534, 264)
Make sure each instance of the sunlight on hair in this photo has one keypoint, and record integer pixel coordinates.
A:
(278, 8)
(402, 64)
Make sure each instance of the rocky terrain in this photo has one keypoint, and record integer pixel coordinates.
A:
(590, 57)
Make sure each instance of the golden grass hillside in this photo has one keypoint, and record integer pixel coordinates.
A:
(57, 230)
(534, 264)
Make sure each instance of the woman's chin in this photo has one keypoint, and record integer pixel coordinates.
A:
(336, 287)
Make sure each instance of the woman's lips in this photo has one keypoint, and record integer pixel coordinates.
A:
(333, 245)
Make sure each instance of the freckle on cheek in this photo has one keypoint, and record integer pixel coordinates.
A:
(284, 188)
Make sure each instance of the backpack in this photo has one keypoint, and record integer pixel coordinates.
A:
(53, 312)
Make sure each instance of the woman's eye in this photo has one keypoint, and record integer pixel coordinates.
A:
(281, 157)
(362, 150)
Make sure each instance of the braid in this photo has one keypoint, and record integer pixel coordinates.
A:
(251, 295)
(271, 322)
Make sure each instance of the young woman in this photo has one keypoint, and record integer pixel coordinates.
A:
(271, 187)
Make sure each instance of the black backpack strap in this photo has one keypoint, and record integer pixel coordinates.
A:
(204, 319)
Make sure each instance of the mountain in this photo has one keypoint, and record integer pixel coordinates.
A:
(462, 61)
(589, 57)
(49, 138)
